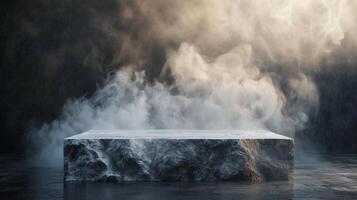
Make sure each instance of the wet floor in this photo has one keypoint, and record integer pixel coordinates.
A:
(315, 177)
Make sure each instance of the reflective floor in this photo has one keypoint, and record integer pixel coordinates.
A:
(318, 177)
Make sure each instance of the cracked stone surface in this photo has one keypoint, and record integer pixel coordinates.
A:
(178, 155)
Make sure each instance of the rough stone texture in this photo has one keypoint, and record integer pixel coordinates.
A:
(178, 155)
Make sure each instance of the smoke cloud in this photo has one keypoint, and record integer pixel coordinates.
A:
(235, 64)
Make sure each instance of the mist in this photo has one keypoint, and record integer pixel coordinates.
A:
(207, 65)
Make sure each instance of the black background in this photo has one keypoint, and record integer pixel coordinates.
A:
(44, 47)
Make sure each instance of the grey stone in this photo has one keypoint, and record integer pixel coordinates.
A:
(178, 155)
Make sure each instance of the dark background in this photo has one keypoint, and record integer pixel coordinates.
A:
(46, 59)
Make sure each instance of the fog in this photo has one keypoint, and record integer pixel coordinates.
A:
(207, 65)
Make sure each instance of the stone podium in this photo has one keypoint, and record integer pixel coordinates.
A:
(178, 155)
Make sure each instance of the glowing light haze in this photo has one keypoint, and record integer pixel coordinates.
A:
(235, 64)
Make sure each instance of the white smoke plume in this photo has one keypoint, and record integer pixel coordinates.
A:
(235, 64)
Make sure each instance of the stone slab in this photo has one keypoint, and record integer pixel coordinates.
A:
(178, 155)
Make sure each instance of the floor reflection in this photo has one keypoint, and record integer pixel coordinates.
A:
(176, 191)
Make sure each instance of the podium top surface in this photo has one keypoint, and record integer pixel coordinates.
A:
(178, 134)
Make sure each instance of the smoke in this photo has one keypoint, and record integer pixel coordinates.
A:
(235, 64)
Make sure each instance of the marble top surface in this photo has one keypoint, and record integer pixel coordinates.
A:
(178, 134)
